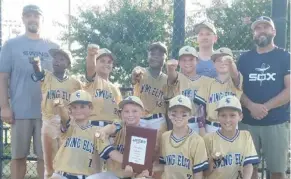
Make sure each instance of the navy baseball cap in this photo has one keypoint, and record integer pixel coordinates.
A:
(263, 19)
(158, 45)
(32, 8)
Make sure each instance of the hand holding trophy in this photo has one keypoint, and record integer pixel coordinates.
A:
(137, 74)
(92, 50)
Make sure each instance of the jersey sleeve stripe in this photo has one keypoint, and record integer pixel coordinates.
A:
(90, 79)
(199, 100)
(162, 160)
(200, 167)
(64, 129)
(38, 76)
(105, 153)
(118, 127)
(251, 160)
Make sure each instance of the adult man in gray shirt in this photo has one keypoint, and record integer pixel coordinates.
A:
(23, 111)
(206, 38)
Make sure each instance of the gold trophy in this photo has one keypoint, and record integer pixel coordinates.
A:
(218, 155)
(172, 62)
(33, 60)
(97, 134)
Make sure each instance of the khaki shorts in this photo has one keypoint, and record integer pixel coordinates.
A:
(273, 142)
(21, 133)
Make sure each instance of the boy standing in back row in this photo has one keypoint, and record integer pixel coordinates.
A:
(188, 83)
(206, 38)
(105, 94)
(150, 85)
(227, 82)
(55, 85)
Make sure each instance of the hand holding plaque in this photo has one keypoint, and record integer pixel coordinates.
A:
(139, 148)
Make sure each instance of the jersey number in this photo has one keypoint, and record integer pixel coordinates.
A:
(90, 162)
(189, 176)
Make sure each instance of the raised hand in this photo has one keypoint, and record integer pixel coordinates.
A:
(137, 74)
(92, 50)
(172, 65)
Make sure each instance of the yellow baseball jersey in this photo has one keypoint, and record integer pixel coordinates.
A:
(189, 87)
(152, 91)
(181, 162)
(118, 143)
(237, 153)
(106, 97)
(211, 94)
(79, 151)
(52, 88)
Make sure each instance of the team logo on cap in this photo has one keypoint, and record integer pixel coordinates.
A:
(78, 94)
(227, 100)
(221, 50)
(186, 49)
(180, 100)
(129, 98)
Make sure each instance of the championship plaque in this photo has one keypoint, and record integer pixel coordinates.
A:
(139, 148)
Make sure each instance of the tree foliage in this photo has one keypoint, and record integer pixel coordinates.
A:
(233, 21)
(126, 29)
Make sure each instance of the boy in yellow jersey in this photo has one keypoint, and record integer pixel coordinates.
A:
(131, 110)
(231, 152)
(182, 150)
(55, 85)
(188, 83)
(150, 85)
(106, 95)
(228, 82)
(77, 156)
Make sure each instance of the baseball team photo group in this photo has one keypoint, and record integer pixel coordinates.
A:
(205, 114)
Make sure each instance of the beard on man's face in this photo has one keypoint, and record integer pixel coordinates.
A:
(263, 39)
(32, 27)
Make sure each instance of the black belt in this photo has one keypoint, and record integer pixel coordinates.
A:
(192, 120)
(215, 124)
(154, 116)
(126, 178)
(73, 176)
(100, 123)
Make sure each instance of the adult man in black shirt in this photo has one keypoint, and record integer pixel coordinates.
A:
(266, 98)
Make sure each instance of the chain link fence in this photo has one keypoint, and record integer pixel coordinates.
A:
(127, 27)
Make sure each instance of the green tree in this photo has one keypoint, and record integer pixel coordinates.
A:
(124, 28)
(234, 20)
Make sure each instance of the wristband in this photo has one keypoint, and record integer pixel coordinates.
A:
(201, 122)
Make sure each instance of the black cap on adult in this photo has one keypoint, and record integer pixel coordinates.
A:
(32, 8)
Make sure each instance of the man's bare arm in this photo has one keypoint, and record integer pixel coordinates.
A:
(4, 99)
(258, 111)
(245, 101)
(282, 98)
